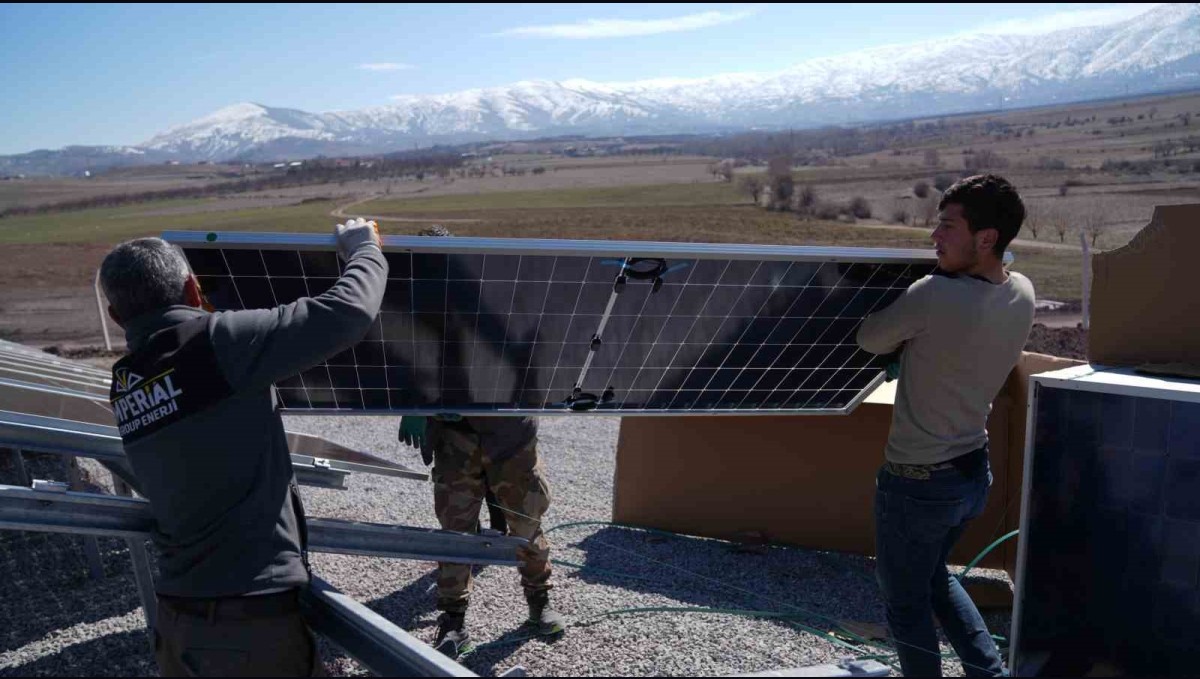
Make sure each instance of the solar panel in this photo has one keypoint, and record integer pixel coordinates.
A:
(507, 326)
(1109, 568)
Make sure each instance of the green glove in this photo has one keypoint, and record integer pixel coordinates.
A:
(893, 370)
(412, 430)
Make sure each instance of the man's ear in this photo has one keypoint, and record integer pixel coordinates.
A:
(985, 239)
(192, 296)
(112, 313)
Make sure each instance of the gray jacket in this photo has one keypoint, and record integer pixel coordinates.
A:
(197, 415)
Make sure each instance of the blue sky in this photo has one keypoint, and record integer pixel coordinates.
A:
(118, 74)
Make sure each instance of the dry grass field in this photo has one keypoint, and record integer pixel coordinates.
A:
(1054, 155)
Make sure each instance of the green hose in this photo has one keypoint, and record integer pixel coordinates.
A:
(788, 618)
(986, 550)
(593, 569)
(573, 524)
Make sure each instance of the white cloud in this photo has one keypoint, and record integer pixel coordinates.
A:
(623, 28)
(1069, 19)
(385, 67)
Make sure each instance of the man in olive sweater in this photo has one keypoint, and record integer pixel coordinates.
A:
(961, 330)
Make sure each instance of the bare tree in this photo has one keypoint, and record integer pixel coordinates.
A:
(1095, 220)
(725, 169)
(985, 159)
(927, 209)
(943, 181)
(1033, 218)
(1060, 221)
(782, 187)
(859, 207)
(753, 184)
(779, 169)
(806, 200)
(932, 159)
(779, 165)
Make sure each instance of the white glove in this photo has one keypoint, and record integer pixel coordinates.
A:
(355, 234)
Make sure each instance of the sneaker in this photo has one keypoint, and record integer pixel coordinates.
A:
(453, 640)
(545, 620)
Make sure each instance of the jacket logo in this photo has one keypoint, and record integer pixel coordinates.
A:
(145, 401)
(126, 379)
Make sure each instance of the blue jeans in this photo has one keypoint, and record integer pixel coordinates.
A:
(917, 523)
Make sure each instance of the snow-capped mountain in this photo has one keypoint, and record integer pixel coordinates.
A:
(1157, 50)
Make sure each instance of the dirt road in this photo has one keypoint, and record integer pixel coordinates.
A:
(340, 213)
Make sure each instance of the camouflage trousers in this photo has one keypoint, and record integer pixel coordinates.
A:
(460, 469)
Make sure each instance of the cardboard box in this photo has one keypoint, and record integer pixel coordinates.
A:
(1144, 304)
(802, 480)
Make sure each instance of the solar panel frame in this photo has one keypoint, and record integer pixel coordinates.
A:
(743, 264)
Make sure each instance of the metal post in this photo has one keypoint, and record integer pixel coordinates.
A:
(1087, 279)
(91, 547)
(23, 477)
(141, 562)
(144, 578)
(103, 314)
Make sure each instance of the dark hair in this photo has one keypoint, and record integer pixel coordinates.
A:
(989, 202)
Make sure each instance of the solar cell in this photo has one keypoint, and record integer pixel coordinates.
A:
(508, 326)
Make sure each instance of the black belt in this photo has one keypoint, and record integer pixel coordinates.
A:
(965, 464)
(235, 607)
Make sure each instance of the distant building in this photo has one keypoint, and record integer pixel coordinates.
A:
(296, 163)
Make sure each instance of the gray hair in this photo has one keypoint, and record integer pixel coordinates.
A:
(142, 275)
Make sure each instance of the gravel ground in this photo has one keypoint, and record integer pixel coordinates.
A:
(54, 621)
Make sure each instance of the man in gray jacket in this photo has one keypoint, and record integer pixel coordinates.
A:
(197, 415)
(962, 330)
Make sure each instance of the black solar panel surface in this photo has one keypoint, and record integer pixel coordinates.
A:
(498, 331)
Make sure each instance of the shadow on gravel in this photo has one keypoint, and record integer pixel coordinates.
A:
(47, 588)
(406, 606)
(46, 585)
(124, 654)
(813, 588)
(486, 660)
(816, 589)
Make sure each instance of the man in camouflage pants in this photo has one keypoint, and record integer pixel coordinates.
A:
(469, 456)
(492, 458)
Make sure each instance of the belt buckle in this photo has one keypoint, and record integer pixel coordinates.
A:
(919, 473)
(909, 471)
